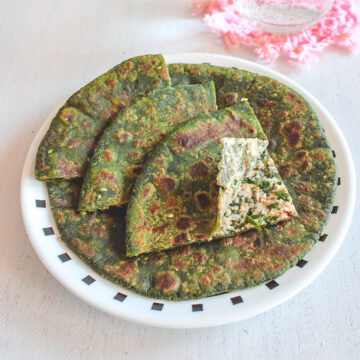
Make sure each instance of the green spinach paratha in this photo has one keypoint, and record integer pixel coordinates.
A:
(182, 273)
(129, 140)
(297, 142)
(71, 138)
(303, 157)
(174, 202)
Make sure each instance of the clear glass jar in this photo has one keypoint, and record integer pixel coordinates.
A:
(283, 16)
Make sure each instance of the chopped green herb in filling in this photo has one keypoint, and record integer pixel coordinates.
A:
(251, 221)
(252, 193)
(281, 195)
(264, 184)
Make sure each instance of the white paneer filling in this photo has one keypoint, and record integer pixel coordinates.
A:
(252, 193)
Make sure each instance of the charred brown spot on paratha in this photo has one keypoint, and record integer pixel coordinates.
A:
(258, 243)
(68, 169)
(180, 264)
(265, 118)
(104, 177)
(304, 201)
(183, 223)
(237, 123)
(121, 136)
(166, 184)
(134, 155)
(198, 170)
(157, 258)
(161, 229)
(181, 238)
(110, 83)
(297, 104)
(181, 251)
(146, 191)
(284, 170)
(244, 264)
(126, 269)
(318, 155)
(204, 222)
(134, 170)
(205, 280)
(107, 176)
(154, 207)
(244, 241)
(200, 257)
(195, 138)
(107, 155)
(160, 162)
(292, 131)
(82, 247)
(98, 229)
(200, 236)
(142, 143)
(279, 250)
(191, 139)
(301, 155)
(305, 165)
(320, 214)
(203, 200)
(187, 195)
(73, 143)
(303, 188)
(171, 202)
(166, 281)
(231, 98)
(292, 231)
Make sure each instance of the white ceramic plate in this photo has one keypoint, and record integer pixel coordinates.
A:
(77, 277)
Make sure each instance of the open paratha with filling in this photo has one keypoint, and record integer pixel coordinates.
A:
(174, 202)
(252, 194)
(297, 142)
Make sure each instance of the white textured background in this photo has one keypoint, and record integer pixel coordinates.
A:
(48, 49)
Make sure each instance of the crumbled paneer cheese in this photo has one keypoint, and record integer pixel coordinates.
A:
(252, 193)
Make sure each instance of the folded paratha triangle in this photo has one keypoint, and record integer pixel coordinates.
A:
(252, 193)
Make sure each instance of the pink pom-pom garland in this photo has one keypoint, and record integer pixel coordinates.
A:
(336, 28)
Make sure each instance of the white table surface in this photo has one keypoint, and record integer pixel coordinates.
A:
(48, 49)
